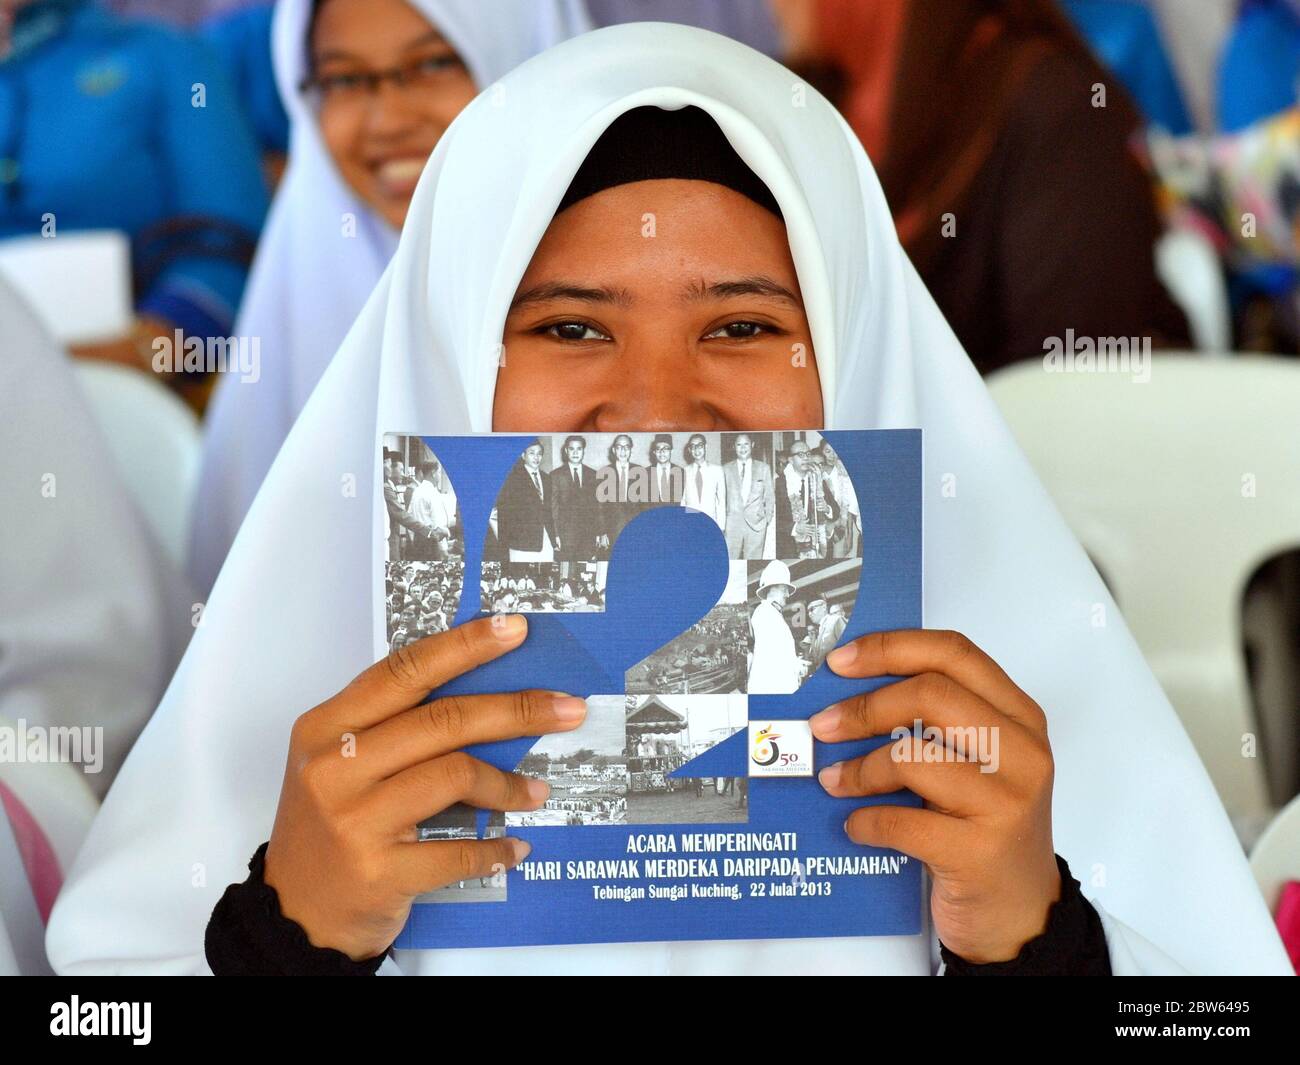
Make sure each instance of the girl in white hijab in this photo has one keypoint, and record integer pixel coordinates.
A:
(93, 618)
(1131, 808)
(332, 228)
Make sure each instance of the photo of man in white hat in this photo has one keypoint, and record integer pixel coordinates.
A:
(774, 666)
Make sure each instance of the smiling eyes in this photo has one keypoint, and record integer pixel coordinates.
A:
(577, 331)
(742, 330)
(573, 331)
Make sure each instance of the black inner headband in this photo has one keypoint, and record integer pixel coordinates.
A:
(649, 144)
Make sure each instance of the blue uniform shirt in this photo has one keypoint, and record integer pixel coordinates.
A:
(1125, 37)
(242, 39)
(99, 128)
(1259, 73)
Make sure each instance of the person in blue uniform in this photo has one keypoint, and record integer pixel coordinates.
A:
(1125, 36)
(109, 123)
(242, 39)
(1259, 70)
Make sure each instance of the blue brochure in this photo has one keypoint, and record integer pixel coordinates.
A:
(689, 586)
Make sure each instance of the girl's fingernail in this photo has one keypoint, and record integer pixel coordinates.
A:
(522, 848)
(830, 776)
(569, 708)
(538, 789)
(842, 657)
(828, 721)
(508, 627)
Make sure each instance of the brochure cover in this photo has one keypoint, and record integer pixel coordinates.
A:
(689, 586)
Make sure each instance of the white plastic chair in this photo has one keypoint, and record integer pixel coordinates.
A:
(1156, 480)
(155, 440)
(1276, 857)
(1189, 266)
(63, 805)
(22, 933)
(78, 284)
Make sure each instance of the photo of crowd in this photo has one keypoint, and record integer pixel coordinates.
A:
(586, 769)
(771, 494)
(421, 520)
(711, 657)
(421, 598)
(543, 587)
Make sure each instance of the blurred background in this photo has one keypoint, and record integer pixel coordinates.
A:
(1103, 196)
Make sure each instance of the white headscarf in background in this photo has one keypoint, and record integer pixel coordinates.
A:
(93, 618)
(309, 280)
(1134, 813)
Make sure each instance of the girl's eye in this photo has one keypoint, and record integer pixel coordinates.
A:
(340, 83)
(437, 62)
(741, 330)
(575, 331)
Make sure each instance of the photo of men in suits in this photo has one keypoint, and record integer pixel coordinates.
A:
(846, 541)
(667, 479)
(397, 519)
(433, 507)
(775, 667)
(806, 508)
(825, 627)
(704, 488)
(525, 522)
(575, 512)
(621, 490)
(751, 500)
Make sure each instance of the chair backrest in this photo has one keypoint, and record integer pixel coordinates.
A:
(155, 441)
(1179, 488)
(22, 932)
(62, 806)
(79, 284)
(1275, 858)
(58, 797)
(1190, 269)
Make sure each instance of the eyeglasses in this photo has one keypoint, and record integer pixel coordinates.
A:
(354, 86)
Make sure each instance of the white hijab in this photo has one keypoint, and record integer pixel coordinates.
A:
(93, 617)
(1135, 814)
(311, 276)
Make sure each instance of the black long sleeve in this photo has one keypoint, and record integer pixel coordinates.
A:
(247, 935)
(1072, 944)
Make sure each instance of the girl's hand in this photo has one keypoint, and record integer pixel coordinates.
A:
(366, 766)
(986, 830)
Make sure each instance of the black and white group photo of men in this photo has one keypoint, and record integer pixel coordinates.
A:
(543, 587)
(773, 495)
(421, 520)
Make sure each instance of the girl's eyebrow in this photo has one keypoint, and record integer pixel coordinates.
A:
(343, 55)
(569, 290)
(756, 285)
